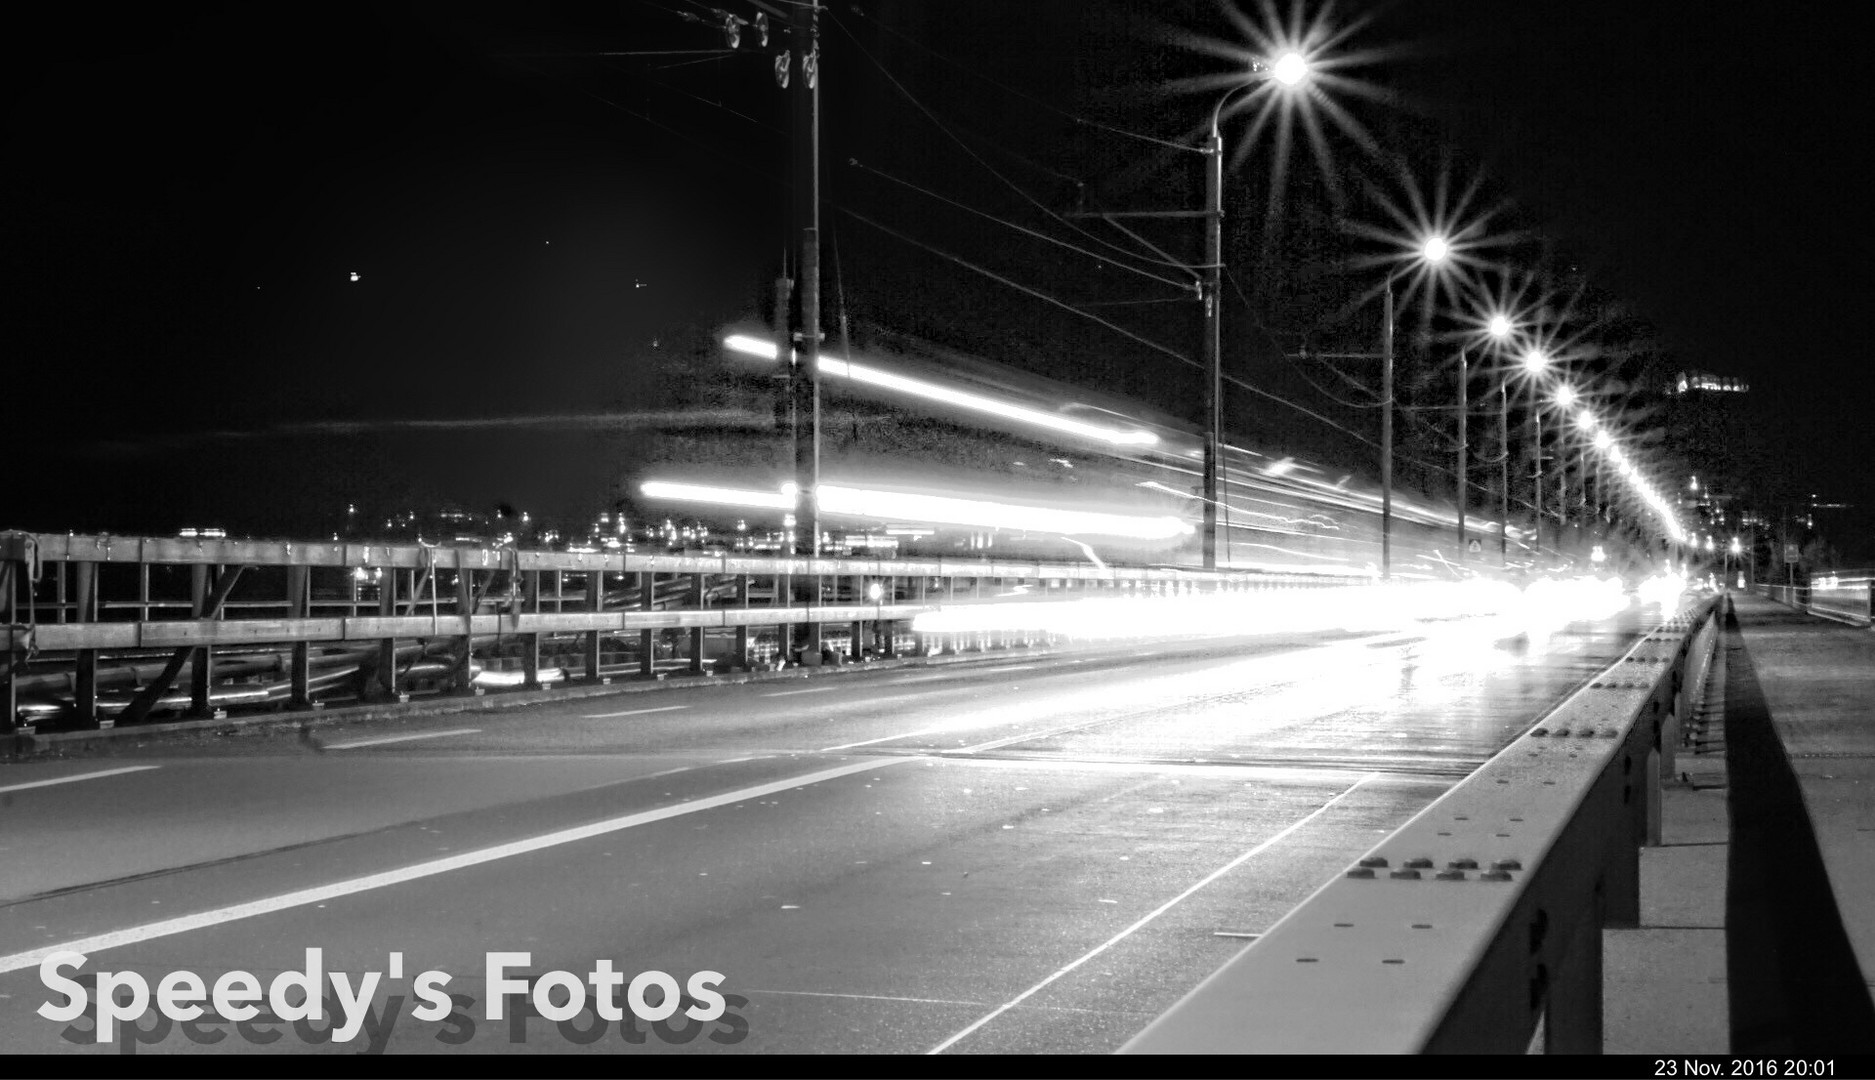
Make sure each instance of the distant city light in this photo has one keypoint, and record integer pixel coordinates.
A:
(767, 350)
(354, 275)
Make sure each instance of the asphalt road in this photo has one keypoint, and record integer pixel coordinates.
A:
(1030, 854)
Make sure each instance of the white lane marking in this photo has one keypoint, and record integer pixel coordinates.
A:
(884, 738)
(961, 673)
(1155, 913)
(320, 893)
(812, 690)
(75, 779)
(633, 712)
(355, 743)
(864, 997)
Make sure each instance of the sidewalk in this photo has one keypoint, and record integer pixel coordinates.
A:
(1757, 931)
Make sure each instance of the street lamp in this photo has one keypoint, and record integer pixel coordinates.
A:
(1535, 362)
(1431, 252)
(1565, 397)
(1499, 327)
(1603, 505)
(1585, 420)
(1288, 70)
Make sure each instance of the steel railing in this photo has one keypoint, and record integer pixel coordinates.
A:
(1845, 595)
(102, 630)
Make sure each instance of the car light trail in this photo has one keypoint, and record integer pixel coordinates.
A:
(903, 506)
(871, 376)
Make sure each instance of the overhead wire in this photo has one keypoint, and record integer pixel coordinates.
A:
(942, 126)
(1030, 98)
(1025, 230)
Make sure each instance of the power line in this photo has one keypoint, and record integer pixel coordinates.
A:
(1025, 230)
(1030, 98)
(978, 158)
(1018, 286)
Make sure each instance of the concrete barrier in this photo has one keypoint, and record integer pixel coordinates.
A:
(1475, 927)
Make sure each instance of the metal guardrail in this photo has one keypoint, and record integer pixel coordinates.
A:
(1477, 924)
(1847, 595)
(173, 622)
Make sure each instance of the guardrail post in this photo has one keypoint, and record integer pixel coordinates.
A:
(595, 602)
(699, 599)
(298, 605)
(647, 639)
(856, 639)
(530, 643)
(202, 660)
(85, 672)
(387, 647)
(744, 588)
(462, 678)
(9, 695)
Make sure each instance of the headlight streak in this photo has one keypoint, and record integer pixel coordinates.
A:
(1286, 610)
(886, 380)
(903, 506)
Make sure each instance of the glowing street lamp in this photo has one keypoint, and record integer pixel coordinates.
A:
(1431, 252)
(1289, 71)
(1535, 363)
(1500, 328)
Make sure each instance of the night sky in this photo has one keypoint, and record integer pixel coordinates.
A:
(547, 240)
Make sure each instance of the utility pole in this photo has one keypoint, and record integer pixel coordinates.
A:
(1464, 464)
(1386, 440)
(1213, 344)
(1503, 475)
(1536, 487)
(805, 384)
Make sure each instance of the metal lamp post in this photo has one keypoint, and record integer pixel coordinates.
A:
(1499, 327)
(1536, 362)
(1432, 251)
(1288, 70)
(1564, 398)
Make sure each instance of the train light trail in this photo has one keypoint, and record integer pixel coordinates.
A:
(885, 380)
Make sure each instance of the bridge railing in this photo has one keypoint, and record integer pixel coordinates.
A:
(1477, 924)
(1848, 595)
(103, 630)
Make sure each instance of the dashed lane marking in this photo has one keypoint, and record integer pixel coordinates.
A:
(356, 743)
(319, 894)
(75, 779)
(633, 712)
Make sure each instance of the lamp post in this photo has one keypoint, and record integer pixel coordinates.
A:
(1464, 463)
(1499, 327)
(1536, 362)
(1603, 505)
(1431, 251)
(1565, 397)
(1585, 420)
(1288, 70)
